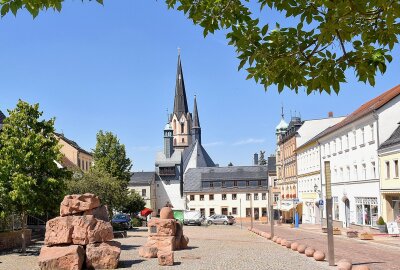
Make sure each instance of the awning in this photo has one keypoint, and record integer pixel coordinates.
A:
(286, 206)
(145, 212)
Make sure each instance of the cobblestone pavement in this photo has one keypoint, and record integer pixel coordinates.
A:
(377, 255)
(213, 247)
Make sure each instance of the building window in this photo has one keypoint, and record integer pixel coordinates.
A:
(224, 197)
(183, 140)
(347, 141)
(396, 168)
(248, 212)
(364, 171)
(387, 169)
(373, 170)
(340, 144)
(212, 211)
(263, 196)
(224, 211)
(79, 162)
(192, 197)
(202, 212)
(276, 197)
(144, 192)
(211, 197)
(335, 208)
(334, 147)
(255, 196)
(223, 184)
(355, 172)
(192, 209)
(248, 195)
(362, 136)
(355, 138)
(234, 211)
(234, 196)
(235, 183)
(201, 197)
(263, 211)
(182, 128)
(348, 173)
(371, 127)
(341, 174)
(167, 171)
(366, 210)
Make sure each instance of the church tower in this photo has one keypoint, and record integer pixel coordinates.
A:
(196, 129)
(181, 120)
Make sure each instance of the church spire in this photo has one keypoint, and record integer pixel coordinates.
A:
(196, 130)
(180, 102)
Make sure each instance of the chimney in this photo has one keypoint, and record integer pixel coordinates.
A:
(255, 159)
(330, 114)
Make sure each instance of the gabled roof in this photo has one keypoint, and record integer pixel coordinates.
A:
(393, 140)
(2, 117)
(72, 143)
(367, 108)
(141, 178)
(180, 101)
(197, 156)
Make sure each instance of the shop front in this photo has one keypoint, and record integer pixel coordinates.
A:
(391, 205)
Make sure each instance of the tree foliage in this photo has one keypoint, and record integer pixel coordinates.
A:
(33, 6)
(110, 156)
(330, 38)
(261, 159)
(134, 203)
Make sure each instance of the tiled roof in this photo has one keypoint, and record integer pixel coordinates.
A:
(72, 143)
(141, 178)
(394, 139)
(197, 152)
(2, 117)
(364, 109)
(195, 176)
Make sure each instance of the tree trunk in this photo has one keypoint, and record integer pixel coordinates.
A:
(23, 232)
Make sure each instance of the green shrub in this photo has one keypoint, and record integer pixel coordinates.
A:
(136, 222)
(380, 221)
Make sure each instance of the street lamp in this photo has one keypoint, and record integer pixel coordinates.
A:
(320, 198)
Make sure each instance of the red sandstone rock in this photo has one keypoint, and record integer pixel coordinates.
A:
(61, 258)
(309, 252)
(165, 257)
(100, 213)
(166, 213)
(161, 242)
(148, 252)
(360, 267)
(77, 203)
(344, 264)
(59, 231)
(81, 227)
(268, 236)
(102, 232)
(178, 235)
(163, 227)
(274, 238)
(319, 255)
(278, 240)
(294, 246)
(288, 244)
(301, 248)
(283, 242)
(103, 255)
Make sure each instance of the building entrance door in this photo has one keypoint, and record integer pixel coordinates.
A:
(256, 214)
(396, 208)
(224, 211)
(347, 212)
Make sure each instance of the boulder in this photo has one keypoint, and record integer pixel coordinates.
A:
(161, 242)
(274, 238)
(184, 242)
(100, 213)
(283, 242)
(81, 227)
(148, 252)
(319, 255)
(301, 248)
(344, 264)
(59, 231)
(102, 232)
(278, 240)
(103, 255)
(288, 244)
(165, 257)
(268, 236)
(309, 252)
(360, 267)
(166, 213)
(294, 246)
(78, 203)
(162, 227)
(61, 258)
(178, 235)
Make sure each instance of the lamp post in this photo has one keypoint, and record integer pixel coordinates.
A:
(319, 206)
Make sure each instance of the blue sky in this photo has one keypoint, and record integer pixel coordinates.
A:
(113, 67)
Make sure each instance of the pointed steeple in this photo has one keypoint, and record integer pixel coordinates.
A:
(196, 121)
(196, 130)
(180, 102)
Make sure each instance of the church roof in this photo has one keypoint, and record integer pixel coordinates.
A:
(393, 140)
(163, 161)
(141, 178)
(282, 126)
(196, 156)
(196, 121)
(2, 117)
(180, 101)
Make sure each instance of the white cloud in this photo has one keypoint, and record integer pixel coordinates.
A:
(212, 144)
(249, 141)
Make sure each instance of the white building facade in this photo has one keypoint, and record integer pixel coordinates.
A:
(350, 148)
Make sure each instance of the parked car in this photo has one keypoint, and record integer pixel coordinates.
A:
(121, 221)
(192, 217)
(220, 219)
